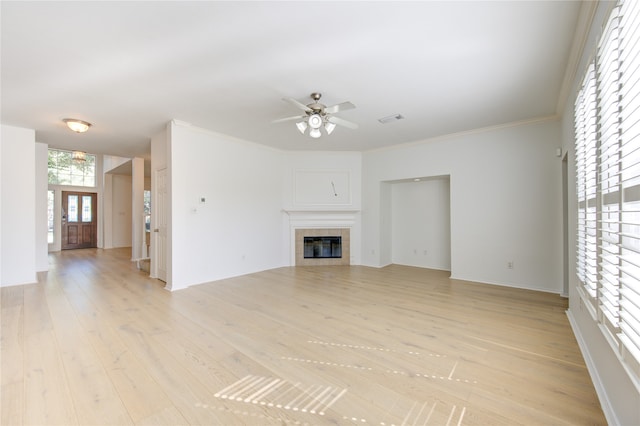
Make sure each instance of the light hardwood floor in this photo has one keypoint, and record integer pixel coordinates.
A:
(98, 342)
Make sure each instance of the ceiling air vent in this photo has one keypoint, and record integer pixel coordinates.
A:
(391, 118)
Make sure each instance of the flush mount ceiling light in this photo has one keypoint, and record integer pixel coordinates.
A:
(77, 126)
(79, 156)
(318, 116)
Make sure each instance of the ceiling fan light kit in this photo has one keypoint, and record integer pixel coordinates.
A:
(302, 126)
(318, 116)
(315, 121)
(315, 133)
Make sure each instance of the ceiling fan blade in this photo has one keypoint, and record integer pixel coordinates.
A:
(297, 117)
(297, 104)
(339, 107)
(341, 122)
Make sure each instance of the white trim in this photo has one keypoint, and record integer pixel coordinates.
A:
(469, 132)
(475, 280)
(336, 182)
(585, 299)
(580, 38)
(607, 409)
(186, 125)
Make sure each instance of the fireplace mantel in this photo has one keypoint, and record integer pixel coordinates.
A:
(322, 215)
(319, 211)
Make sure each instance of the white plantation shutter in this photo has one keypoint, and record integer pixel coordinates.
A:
(608, 185)
(586, 132)
(607, 132)
(630, 176)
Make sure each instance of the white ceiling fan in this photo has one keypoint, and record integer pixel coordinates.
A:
(317, 116)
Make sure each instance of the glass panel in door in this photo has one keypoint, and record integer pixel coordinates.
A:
(50, 218)
(72, 205)
(86, 208)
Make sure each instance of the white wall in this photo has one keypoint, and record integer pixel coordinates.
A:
(113, 210)
(121, 211)
(111, 162)
(138, 247)
(1, 180)
(41, 225)
(237, 230)
(105, 208)
(505, 186)
(619, 396)
(18, 239)
(420, 223)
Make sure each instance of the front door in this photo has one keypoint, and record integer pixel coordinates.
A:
(79, 220)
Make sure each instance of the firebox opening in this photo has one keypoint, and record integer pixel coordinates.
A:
(322, 247)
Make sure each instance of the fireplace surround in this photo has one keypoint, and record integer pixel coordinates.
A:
(322, 223)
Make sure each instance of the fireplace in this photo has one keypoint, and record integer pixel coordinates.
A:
(322, 223)
(322, 247)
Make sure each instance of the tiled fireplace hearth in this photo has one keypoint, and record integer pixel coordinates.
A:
(337, 232)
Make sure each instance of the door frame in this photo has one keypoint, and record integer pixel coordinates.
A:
(158, 209)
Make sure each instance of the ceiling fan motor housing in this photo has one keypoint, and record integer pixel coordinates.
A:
(316, 107)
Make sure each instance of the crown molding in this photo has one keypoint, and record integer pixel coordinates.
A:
(580, 37)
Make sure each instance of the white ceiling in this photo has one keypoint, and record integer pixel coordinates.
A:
(130, 67)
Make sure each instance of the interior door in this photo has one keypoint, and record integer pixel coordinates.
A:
(79, 220)
(160, 229)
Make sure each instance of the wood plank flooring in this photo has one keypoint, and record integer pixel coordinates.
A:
(98, 342)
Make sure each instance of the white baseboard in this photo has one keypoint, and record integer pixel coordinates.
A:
(609, 414)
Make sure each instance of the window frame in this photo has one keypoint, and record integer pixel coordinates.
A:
(614, 299)
(64, 171)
